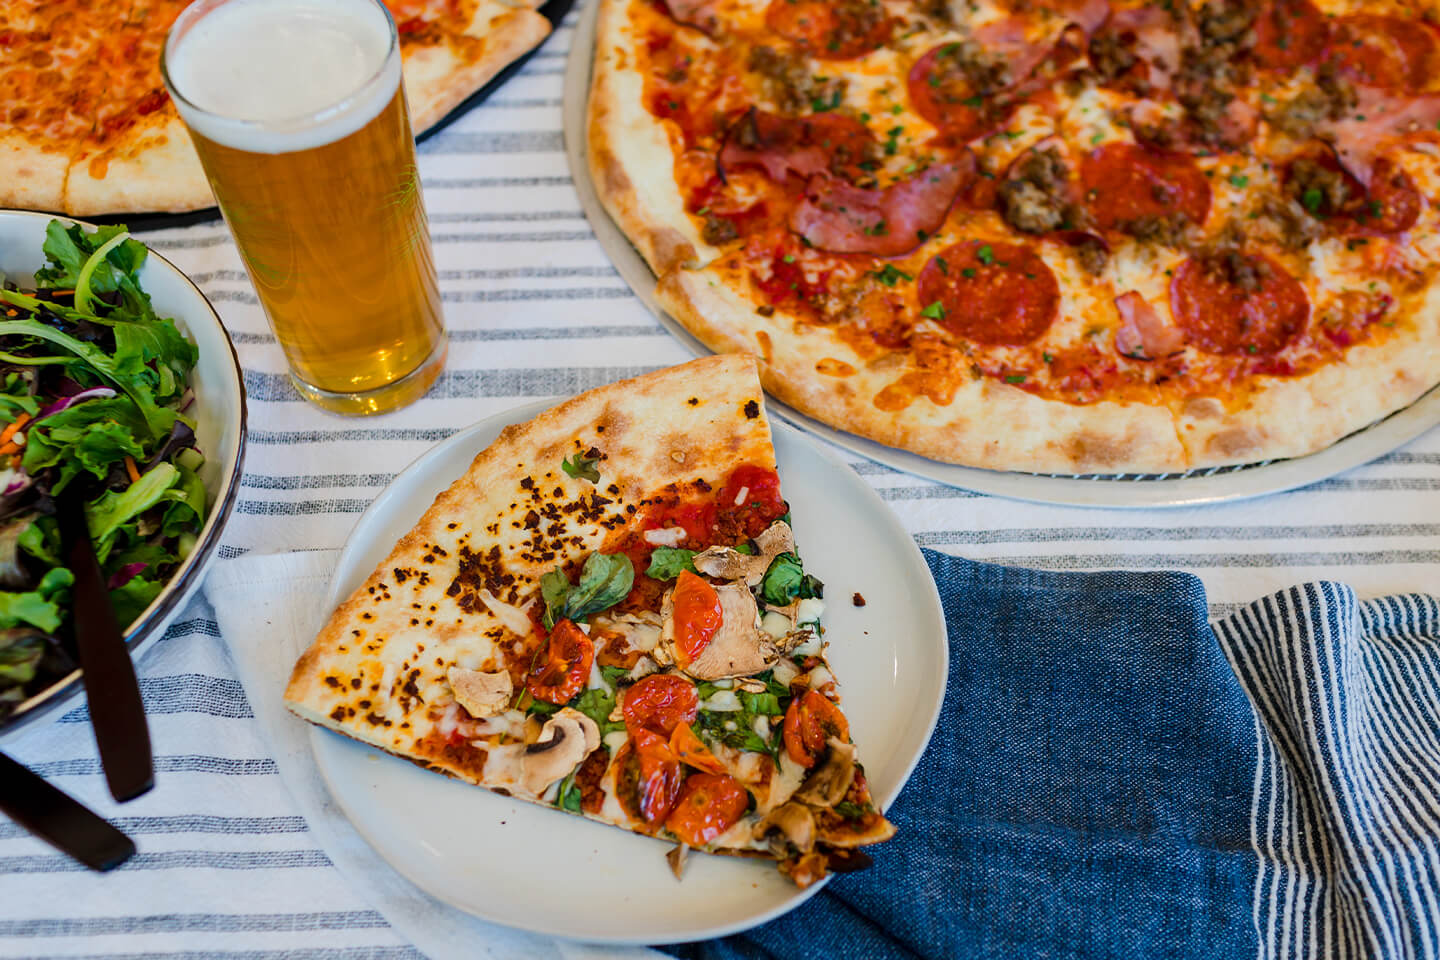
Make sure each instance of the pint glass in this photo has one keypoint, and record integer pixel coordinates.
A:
(299, 117)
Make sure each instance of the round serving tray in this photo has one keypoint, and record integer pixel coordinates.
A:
(1212, 485)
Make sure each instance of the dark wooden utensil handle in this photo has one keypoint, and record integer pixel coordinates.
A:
(59, 820)
(116, 711)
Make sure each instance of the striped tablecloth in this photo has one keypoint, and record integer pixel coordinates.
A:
(227, 867)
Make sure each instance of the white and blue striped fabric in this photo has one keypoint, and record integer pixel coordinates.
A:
(228, 867)
(1345, 812)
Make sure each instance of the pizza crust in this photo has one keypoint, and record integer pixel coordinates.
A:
(437, 80)
(154, 168)
(629, 154)
(32, 177)
(987, 424)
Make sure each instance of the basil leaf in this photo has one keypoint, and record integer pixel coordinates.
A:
(605, 580)
(772, 685)
(583, 467)
(568, 798)
(746, 548)
(786, 581)
(706, 689)
(554, 590)
(713, 724)
(667, 563)
(613, 675)
(851, 811)
(763, 704)
(542, 707)
(598, 704)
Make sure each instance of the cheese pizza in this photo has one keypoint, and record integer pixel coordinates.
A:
(607, 614)
(90, 128)
(1075, 236)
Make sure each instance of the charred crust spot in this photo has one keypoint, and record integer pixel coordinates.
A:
(858, 600)
(693, 401)
(355, 683)
(752, 409)
(332, 681)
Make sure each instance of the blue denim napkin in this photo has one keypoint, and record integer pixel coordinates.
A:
(1110, 777)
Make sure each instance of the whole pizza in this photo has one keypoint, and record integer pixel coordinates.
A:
(1047, 235)
(88, 127)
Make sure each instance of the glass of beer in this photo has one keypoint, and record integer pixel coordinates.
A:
(299, 117)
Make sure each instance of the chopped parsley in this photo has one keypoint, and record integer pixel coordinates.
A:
(583, 466)
(985, 255)
(890, 276)
(936, 311)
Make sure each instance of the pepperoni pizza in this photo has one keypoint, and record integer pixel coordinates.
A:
(89, 129)
(1048, 235)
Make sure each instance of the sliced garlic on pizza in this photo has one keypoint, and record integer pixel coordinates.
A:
(607, 614)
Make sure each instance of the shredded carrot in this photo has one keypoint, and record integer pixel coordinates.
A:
(12, 429)
(131, 469)
(9, 448)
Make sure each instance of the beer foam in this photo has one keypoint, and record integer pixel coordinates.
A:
(275, 76)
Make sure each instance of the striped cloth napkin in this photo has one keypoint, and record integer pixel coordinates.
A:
(228, 866)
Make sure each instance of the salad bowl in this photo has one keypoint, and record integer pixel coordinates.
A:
(217, 411)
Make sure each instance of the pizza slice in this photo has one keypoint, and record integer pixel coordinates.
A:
(607, 614)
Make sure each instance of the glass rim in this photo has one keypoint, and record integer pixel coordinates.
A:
(300, 121)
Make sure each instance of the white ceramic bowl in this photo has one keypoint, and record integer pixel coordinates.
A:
(219, 412)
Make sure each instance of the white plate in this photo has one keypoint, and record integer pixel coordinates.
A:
(1212, 485)
(524, 866)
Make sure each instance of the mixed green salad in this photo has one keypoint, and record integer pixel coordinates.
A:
(94, 389)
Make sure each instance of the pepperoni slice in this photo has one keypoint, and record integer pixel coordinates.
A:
(1383, 51)
(1289, 34)
(943, 93)
(1327, 190)
(996, 293)
(1238, 304)
(831, 29)
(1394, 203)
(1125, 181)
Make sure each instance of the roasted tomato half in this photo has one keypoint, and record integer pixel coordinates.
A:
(561, 671)
(811, 720)
(659, 702)
(709, 805)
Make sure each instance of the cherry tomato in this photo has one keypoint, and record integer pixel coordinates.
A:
(697, 615)
(709, 804)
(810, 721)
(690, 749)
(561, 672)
(658, 702)
(658, 783)
(750, 501)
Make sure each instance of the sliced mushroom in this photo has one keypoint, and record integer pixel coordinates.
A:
(739, 648)
(678, 857)
(750, 685)
(641, 631)
(481, 694)
(828, 784)
(850, 834)
(566, 739)
(793, 821)
(727, 563)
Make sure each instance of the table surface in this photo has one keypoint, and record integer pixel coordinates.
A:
(534, 309)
